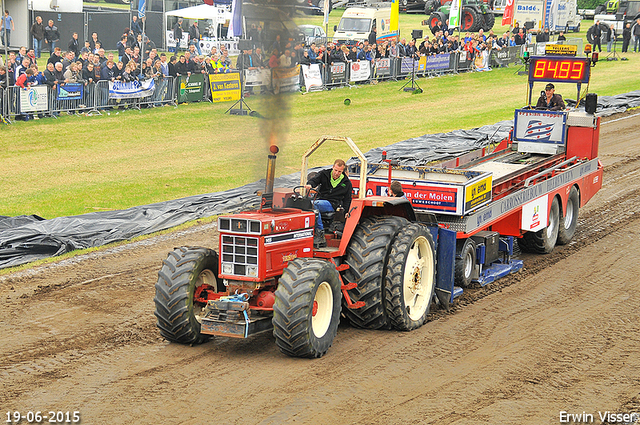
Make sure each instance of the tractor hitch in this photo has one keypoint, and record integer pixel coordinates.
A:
(231, 316)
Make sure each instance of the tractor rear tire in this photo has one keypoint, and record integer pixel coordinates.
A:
(569, 222)
(411, 277)
(367, 256)
(470, 20)
(185, 269)
(434, 18)
(464, 265)
(543, 241)
(306, 312)
(489, 21)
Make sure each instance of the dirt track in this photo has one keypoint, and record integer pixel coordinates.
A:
(562, 335)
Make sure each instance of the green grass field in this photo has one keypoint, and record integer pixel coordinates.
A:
(75, 165)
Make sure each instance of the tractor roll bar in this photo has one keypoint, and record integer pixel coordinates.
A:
(354, 148)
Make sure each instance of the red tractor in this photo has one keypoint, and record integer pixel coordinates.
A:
(379, 263)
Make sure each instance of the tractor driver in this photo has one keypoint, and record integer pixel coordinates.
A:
(334, 191)
(549, 100)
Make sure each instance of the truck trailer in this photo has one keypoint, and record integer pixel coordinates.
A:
(556, 15)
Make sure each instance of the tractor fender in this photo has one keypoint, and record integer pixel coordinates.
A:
(374, 206)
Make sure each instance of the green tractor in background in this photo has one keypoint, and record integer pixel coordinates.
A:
(476, 14)
(609, 7)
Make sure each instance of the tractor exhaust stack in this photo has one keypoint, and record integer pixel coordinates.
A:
(267, 196)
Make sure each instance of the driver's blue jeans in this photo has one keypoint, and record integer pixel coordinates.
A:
(322, 206)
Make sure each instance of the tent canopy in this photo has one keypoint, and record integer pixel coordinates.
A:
(202, 11)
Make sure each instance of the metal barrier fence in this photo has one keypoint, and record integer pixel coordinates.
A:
(346, 74)
(43, 100)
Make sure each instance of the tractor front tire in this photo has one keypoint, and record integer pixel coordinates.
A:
(569, 222)
(367, 258)
(306, 312)
(543, 241)
(489, 21)
(185, 269)
(434, 19)
(411, 277)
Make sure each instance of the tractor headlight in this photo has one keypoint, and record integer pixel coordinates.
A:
(252, 271)
(227, 268)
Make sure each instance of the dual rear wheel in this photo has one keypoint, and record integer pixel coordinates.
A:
(560, 230)
(393, 263)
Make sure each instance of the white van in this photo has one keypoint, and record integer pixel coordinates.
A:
(498, 7)
(557, 15)
(356, 24)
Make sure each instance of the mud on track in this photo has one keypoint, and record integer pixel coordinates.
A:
(561, 335)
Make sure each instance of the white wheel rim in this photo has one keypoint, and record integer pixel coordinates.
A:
(568, 217)
(468, 264)
(322, 310)
(551, 228)
(418, 278)
(206, 277)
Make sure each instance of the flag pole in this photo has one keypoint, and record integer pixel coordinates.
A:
(142, 15)
(6, 48)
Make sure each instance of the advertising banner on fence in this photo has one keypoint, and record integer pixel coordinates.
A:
(207, 43)
(34, 99)
(437, 62)
(225, 87)
(257, 77)
(383, 67)
(191, 88)
(464, 62)
(505, 56)
(407, 65)
(312, 77)
(359, 71)
(184, 41)
(70, 91)
(132, 90)
(286, 79)
(338, 72)
(422, 63)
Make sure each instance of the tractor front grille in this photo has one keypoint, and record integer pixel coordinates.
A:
(239, 255)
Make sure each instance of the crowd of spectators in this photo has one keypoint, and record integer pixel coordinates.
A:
(138, 58)
(475, 46)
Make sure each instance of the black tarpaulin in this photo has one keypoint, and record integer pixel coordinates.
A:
(609, 105)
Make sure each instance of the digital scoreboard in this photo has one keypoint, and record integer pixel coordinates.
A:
(559, 69)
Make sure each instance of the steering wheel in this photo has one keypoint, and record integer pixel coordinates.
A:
(312, 193)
